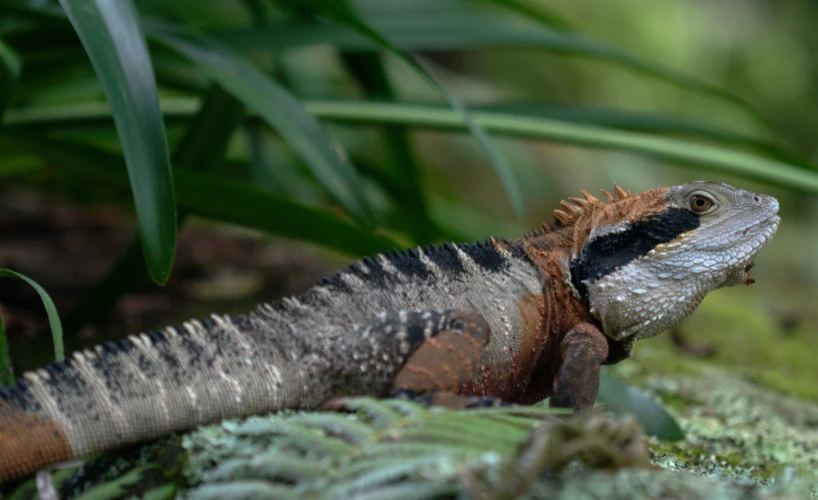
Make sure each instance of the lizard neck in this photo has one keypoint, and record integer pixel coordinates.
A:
(558, 309)
(551, 251)
(545, 318)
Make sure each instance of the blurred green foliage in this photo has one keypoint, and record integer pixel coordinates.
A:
(514, 60)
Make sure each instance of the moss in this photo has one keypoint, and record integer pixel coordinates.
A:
(655, 356)
(647, 484)
(749, 340)
(736, 430)
(741, 422)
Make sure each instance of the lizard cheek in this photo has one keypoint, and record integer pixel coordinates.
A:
(648, 296)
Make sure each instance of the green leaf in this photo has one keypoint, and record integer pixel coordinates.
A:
(214, 197)
(88, 113)
(50, 309)
(711, 158)
(201, 148)
(175, 109)
(109, 31)
(535, 12)
(623, 398)
(217, 198)
(42, 12)
(706, 157)
(342, 12)
(646, 122)
(498, 452)
(205, 141)
(9, 73)
(455, 28)
(401, 173)
(6, 369)
(278, 108)
(498, 162)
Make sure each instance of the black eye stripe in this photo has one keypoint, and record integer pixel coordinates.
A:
(606, 253)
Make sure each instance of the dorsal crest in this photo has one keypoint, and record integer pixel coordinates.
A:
(575, 205)
(579, 216)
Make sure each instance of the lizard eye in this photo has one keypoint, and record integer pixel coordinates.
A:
(700, 203)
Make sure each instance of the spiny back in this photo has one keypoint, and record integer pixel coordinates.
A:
(572, 226)
(392, 281)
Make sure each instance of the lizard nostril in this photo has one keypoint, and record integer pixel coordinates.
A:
(757, 198)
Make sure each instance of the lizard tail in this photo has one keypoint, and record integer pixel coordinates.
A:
(140, 388)
(27, 441)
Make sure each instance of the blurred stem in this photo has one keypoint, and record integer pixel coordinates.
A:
(403, 219)
(257, 10)
(9, 74)
(6, 370)
(201, 148)
(122, 277)
(368, 70)
(261, 172)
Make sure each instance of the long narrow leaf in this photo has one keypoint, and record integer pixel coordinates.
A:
(646, 122)
(405, 172)
(706, 156)
(451, 28)
(6, 369)
(201, 148)
(110, 33)
(464, 31)
(9, 73)
(175, 109)
(695, 155)
(215, 197)
(498, 162)
(341, 11)
(276, 106)
(532, 11)
(50, 309)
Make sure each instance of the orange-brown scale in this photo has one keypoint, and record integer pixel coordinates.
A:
(446, 361)
(28, 442)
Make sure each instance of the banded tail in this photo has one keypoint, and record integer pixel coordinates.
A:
(140, 388)
(161, 382)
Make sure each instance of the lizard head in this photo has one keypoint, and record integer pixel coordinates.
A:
(643, 262)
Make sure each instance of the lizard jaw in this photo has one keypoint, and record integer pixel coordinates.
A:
(769, 226)
(749, 280)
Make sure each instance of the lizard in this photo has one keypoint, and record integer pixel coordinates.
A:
(516, 321)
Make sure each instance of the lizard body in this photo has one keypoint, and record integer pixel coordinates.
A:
(516, 320)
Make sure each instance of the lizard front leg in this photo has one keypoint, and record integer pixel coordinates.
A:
(583, 350)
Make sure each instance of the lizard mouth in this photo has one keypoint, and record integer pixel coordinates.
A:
(749, 280)
(767, 230)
